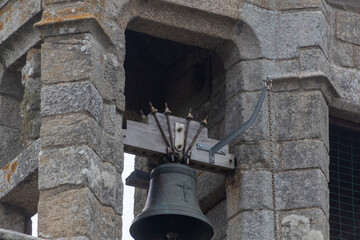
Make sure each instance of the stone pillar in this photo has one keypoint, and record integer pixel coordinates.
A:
(30, 105)
(10, 121)
(288, 169)
(81, 157)
(10, 127)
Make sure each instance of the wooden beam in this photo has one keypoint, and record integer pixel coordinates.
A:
(145, 139)
(139, 179)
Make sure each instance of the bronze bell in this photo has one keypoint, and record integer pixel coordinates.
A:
(172, 210)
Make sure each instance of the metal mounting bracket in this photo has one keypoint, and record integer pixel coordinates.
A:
(207, 148)
(243, 127)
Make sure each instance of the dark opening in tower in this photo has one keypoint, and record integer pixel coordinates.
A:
(184, 76)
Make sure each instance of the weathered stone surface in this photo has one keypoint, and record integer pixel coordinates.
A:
(313, 60)
(228, 8)
(75, 238)
(300, 116)
(348, 27)
(72, 97)
(249, 191)
(301, 189)
(10, 83)
(111, 80)
(286, 5)
(244, 44)
(347, 82)
(30, 105)
(78, 213)
(249, 75)
(183, 24)
(80, 128)
(211, 189)
(74, 57)
(217, 217)
(17, 44)
(305, 154)
(109, 119)
(77, 128)
(18, 185)
(81, 166)
(346, 54)
(12, 218)
(140, 197)
(257, 156)
(10, 112)
(349, 5)
(304, 224)
(11, 235)
(294, 30)
(14, 14)
(68, 59)
(32, 68)
(238, 110)
(10, 145)
(111, 150)
(257, 225)
(346, 110)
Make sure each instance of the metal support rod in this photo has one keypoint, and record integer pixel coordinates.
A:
(154, 111)
(243, 127)
(188, 120)
(203, 124)
(167, 113)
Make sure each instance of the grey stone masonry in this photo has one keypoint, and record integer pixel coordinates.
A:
(19, 180)
(12, 235)
(61, 150)
(10, 119)
(81, 157)
(30, 105)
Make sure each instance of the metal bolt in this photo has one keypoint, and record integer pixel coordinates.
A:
(179, 129)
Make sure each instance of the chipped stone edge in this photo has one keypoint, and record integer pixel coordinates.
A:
(5, 189)
(12, 235)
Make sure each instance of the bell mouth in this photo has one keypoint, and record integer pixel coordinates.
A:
(158, 226)
(172, 207)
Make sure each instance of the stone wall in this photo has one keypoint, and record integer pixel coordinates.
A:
(61, 132)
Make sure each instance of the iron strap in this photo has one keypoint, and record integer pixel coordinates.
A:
(243, 127)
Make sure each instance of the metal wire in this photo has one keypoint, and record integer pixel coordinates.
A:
(344, 184)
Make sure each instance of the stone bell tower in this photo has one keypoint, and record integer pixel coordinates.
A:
(72, 73)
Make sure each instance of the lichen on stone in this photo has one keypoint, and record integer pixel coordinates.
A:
(30, 110)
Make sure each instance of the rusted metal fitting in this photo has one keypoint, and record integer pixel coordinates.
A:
(152, 109)
(204, 122)
(167, 110)
(268, 82)
(142, 114)
(189, 116)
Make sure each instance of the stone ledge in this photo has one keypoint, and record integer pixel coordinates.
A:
(19, 42)
(349, 5)
(226, 8)
(11, 235)
(18, 185)
(11, 21)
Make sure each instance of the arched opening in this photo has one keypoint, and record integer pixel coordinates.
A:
(184, 76)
